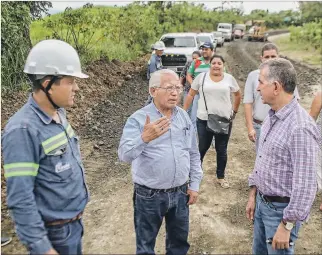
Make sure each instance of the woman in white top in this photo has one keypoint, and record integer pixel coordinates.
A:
(316, 113)
(218, 87)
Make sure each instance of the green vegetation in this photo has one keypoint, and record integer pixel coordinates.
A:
(15, 40)
(123, 33)
(310, 34)
(301, 45)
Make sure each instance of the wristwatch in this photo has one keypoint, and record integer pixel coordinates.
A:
(288, 224)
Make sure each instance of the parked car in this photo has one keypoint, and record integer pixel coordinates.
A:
(207, 37)
(219, 37)
(227, 30)
(238, 34)
(179, 48)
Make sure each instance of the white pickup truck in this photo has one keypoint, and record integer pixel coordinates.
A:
(179, 49)
(227, 30)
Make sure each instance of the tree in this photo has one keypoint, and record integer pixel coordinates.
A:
(16, 18)
(311, 11)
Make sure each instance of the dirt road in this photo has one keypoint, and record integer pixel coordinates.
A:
(218, 222)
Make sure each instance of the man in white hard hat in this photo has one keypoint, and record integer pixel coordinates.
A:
(46, 189)
(155, 62)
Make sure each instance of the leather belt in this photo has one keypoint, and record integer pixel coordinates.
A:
(258, 121)
(61, 222)
(276, 199)
(174, 189)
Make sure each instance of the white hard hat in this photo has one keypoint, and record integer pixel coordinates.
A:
(159, 45)
(54, 57)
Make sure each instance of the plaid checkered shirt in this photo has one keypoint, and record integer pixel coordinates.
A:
(286, 160)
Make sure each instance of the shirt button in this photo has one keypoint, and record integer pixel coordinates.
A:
(265, 140)
(256, 172)
(260, 156)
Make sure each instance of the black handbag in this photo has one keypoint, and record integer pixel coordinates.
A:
(215, 123)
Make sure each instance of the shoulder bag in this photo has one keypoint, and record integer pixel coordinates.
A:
(215, 123)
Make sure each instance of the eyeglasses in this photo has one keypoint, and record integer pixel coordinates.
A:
(169, 89)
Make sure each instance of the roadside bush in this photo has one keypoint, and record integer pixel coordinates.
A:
(309, 34)
(15, 45)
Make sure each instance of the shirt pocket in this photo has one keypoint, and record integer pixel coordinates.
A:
(183, 136)
(280, 154)
(57, 164)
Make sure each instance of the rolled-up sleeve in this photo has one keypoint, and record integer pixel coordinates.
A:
(21, 158)
(251, 180)
(303, 148)
(131, 144)
(249, 90)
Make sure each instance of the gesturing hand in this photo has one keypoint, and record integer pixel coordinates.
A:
(153, 130)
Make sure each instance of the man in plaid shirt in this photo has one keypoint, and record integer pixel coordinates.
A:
(283, 182)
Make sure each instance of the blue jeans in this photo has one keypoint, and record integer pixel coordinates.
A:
(67, 238)
(150, 207)
(267, 218)
(257, 128)
(220, 142)
(192, 111)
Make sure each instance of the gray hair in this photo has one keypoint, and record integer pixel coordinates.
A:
(281, 70)
(269, 46)
(156, 77)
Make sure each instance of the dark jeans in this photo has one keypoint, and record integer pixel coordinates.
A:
(67, 238)
(221, 143)
(150, 207)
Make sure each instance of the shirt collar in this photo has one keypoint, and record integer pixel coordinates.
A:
(202, 59)
(45, 118)
(156, 56)
(285, 111)
(174, 112)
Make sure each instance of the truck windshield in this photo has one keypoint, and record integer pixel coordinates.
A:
(204, 39)
(179, 41)
(225, 26)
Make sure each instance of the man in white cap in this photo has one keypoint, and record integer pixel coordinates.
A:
(46, 189)
(155, 63)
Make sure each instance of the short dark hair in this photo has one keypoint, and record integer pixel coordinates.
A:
(217, 56)
(36, 83)
(269, 46)
(197, 52)
(281, 70)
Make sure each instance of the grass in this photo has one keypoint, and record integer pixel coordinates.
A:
(99, 46)
(298, 51)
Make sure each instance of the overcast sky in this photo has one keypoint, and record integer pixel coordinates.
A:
(248, 6)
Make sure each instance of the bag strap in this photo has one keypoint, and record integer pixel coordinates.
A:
(203, 81)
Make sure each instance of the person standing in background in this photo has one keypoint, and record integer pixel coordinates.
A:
(255, 110)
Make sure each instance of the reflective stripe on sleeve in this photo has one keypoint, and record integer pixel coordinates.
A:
(54, 142)
(20, 169)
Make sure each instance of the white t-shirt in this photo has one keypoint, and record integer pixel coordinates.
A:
(217, 95)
